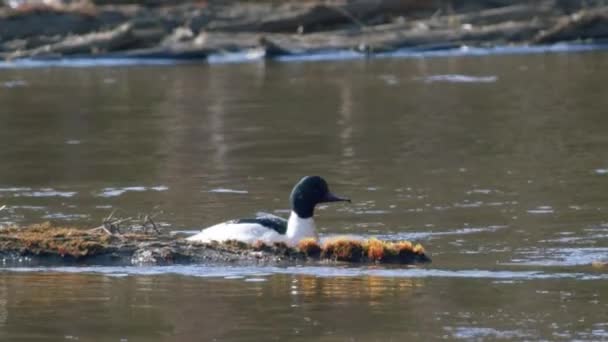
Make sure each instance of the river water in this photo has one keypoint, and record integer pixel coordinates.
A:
(498, 165)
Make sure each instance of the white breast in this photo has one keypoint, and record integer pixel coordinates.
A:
(245, 232)
(300, 228)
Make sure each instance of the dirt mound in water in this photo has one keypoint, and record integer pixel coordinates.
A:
(48, 244)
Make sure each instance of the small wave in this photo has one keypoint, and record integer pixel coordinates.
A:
(255, 280)
(544, 209)
(390, 80)
(14, 84)
(114, 192)
(15, 189)
(481, 191)
(456, 78)
(431, 234)
(371, 212)
(209, 271)
(29, 207)
(560, 256)
(67, 217)
(467, 204)
(479, 333)
(44, 192)
(228, 191)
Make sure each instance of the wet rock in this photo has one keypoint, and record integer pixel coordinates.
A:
(156, 256)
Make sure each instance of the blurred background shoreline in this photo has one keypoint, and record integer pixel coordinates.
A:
(49, 29)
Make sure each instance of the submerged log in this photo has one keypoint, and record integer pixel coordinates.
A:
(45, 244)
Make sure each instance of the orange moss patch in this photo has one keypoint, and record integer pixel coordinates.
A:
(386, 251)
(309, 247)
(404, 246)
(375, 249)
(343, 250)
(372, 250)
(418, 249)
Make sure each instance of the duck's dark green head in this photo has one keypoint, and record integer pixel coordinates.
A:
(310, 191)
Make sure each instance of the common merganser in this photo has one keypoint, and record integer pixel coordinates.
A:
(309, 192)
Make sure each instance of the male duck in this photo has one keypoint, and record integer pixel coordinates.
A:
(269, 229)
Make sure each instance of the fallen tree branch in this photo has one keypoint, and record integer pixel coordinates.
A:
(581, 25)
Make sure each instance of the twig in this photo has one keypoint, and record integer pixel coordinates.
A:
(348, 15)
(111, 225)
(364, 46)
(148, 219)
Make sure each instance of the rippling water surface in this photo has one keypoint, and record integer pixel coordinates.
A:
(496, 164)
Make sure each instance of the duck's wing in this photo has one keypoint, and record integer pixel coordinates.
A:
(267, 220)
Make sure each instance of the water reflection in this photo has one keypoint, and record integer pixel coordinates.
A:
(3, 302)
(370, 287)
(501, 180)
(169, 307)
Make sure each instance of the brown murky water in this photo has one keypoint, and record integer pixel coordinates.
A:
(497, 164)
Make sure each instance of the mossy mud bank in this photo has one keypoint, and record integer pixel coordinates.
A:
(45, 244)
(196, 30)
